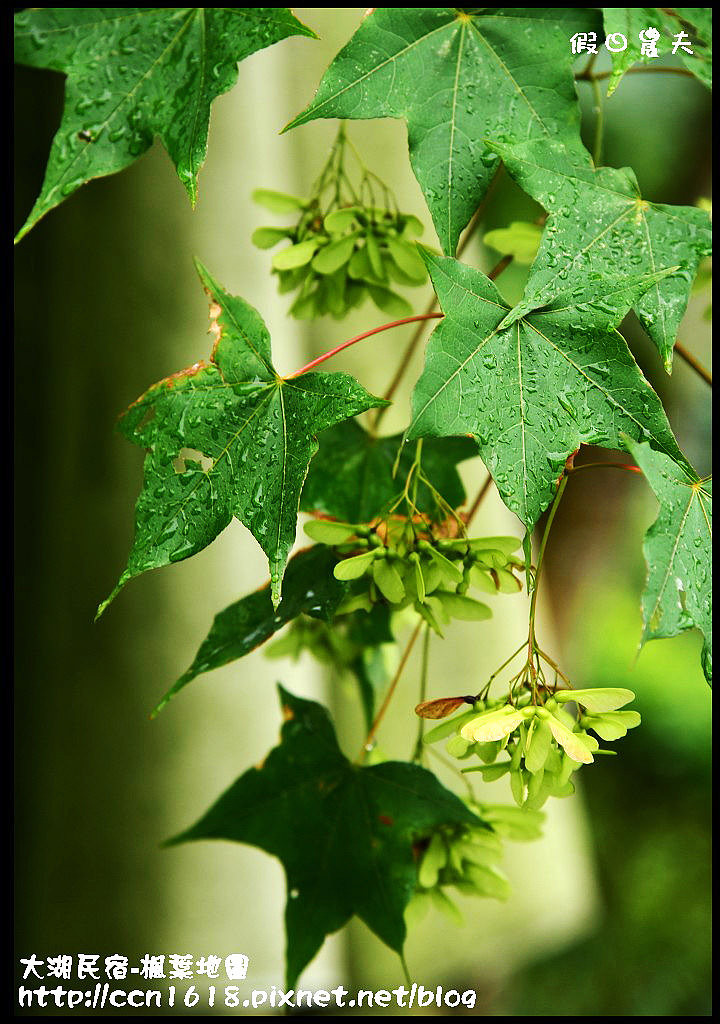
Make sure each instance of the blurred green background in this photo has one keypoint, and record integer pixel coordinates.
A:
(610, 911)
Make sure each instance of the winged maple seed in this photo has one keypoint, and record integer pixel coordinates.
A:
(441, 707)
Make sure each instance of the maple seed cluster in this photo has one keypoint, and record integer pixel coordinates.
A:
(464, 857)
(339, 259)
(544, 742)
(398, 565)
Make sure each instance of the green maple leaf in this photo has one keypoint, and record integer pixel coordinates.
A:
(309, 588)
(630, 21)
(229, 438)
(457, 76)
(351, 477)
(599, 221)
(134, 73)
(533, 384)
(678, 551)
(344, 834)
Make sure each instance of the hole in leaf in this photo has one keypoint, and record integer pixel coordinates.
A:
(191, 455)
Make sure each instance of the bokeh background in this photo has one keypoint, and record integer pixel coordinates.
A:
(610, 910)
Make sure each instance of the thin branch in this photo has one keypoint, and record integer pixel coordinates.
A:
(692, 361)
(584, 76)
(587, 70)
(361, 337)
(478, 500)
(417, 336)
(599, 121)
(479, 213)
(605, 465)
(369, 739)
(418, 749)
(406, 357)
(499, 267)
(541, 555)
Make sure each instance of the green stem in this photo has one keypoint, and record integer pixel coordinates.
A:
(419, 748)
(584, 76)
(406, 972)
(454, 768)
(416, 467)
(553, 665)
(499, 267)
(693, 363)
(478, 500)
(417, 336)
(486, 688)
(599, 122)
(369, 739)
(532, 643)
(587, 70)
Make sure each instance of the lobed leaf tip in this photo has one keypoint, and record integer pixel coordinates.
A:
(295, 122)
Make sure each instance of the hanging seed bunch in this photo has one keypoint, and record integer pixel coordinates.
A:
(397, 562)
(465, 858)
(331, 645)
(544, 744)
(350, 641)
(349, 243)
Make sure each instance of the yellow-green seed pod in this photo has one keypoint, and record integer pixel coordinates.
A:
(539, 791)
(459, 606)
(507, 583)
(335, 255)
(572, 743)
(428, 614)
(354, 568)
(432, 575)
(446, 906)
(568, 766)
(411, 225)
(375, 259)
(458, 746)
(489, 772)
(419, 578)
(520, 824)
(474, 853)
(517, 786)
(450, 570)
(297, 255)
(434, 860)
(612, 725)
(487, 881)
(448, 727)
(388, 581)
(482, 579)
(492, 725)
(266, 238)
(326, 531)
(338, 221)
(599, 699)
(408, 259)
(417, 909)
(488, 752)
(538, 747)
